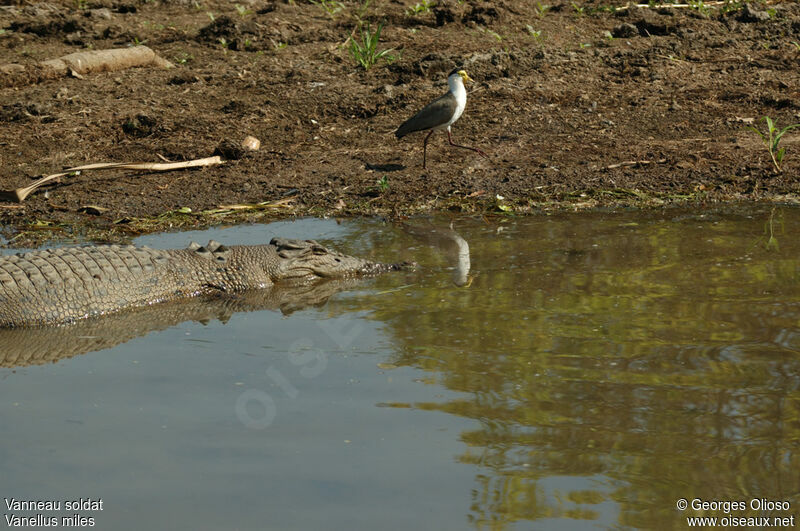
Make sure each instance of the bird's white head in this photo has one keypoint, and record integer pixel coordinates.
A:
(456, 81)
(458, 76)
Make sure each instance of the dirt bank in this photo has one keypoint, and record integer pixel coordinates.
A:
(577, 104)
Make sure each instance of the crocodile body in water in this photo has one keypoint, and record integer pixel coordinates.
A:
(63, 285)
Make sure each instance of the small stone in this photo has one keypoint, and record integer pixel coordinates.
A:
(751, 14)
(251, 143)
(102, 13)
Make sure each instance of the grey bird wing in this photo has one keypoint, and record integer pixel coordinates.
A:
(436, 113)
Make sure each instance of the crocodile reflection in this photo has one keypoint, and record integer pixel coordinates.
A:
(451, 244)
(36, 346)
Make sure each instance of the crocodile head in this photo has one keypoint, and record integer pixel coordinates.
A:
(307, 260)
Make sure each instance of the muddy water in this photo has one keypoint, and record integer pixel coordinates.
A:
(574, 372)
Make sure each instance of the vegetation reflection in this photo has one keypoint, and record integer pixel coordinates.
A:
(655, 358)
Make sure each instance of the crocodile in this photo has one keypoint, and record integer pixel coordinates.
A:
(68, 284)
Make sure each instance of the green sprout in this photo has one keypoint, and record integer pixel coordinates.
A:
(364, 47)
(331, 7)
(730, 6)
(242, 10)
(772, 139)
(183, 58)
(699, 6)
(383, 184)
(536, 34)
(362, 9)
(495, 35)
(541, 9)
(420, 8)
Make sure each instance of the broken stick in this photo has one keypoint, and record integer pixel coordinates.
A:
(20, 194)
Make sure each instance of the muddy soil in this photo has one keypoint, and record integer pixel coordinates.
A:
(577, 104)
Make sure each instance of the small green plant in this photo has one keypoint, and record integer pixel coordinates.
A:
(210, 16)
(794, 43)
(420, 8)
(137, 42)
(536, 34)
(602, 9)
(280, 45)
(772, 140)
(578, 9)
(502, 207)
(541, 9)
(383, 184)
(730, 6)
(242, 10)
(492, 33)
(771, 12)
(183, 58)
(81, 4)
(331, 7)
(361, 10)
(364, 47)
(699, 6)
(153, 25)
(223, 42)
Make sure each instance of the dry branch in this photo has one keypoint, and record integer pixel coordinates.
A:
(635, 163)
(81, 63)
(20, 194)
(664, 5)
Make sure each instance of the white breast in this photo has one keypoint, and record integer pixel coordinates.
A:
(458, 90)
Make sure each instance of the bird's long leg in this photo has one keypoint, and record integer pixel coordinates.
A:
(476, 150)
(425, 149)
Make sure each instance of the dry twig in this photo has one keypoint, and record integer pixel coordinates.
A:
(20, 194)
(635, 163)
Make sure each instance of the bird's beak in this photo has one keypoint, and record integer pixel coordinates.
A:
(464, 75)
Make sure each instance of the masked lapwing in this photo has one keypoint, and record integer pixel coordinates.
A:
(440, 114)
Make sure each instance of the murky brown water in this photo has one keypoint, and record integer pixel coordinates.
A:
(592, 371)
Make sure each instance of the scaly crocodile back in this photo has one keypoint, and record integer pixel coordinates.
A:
(65, 284)
(57, 286)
